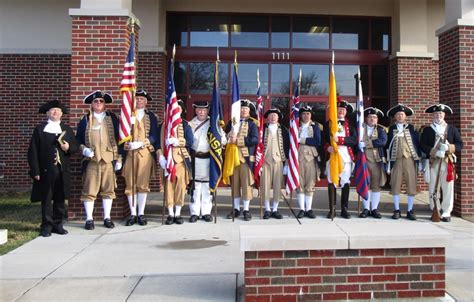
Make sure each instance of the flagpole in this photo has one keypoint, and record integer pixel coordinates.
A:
(134, 117)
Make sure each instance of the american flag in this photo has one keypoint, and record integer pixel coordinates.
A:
(259, 155)
(293, 178)
(127, 89)
(171, 121)
(362, 177)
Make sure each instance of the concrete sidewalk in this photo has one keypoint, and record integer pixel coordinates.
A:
(189, 262)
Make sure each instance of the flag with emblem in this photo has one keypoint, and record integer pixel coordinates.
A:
(127, 89)
(293, 177)
(259, 155)
(362, 177)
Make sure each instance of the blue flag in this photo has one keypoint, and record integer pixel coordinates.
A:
(214, 135)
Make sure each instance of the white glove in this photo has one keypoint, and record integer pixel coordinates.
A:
(163, 162)
(87, 152)
(135, 145)
(172, 141)
(285, 170)
(361, 145)
(118, 166)
(443, 147)
(440, 154)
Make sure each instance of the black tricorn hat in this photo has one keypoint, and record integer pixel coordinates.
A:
(373, 110)
(439, 107)
(143, 93)
(247, 103)
(306, 108)
(98, 95)
(347, 105)
(274, 110)
(201, 104)
(400, 107)
(52, 104)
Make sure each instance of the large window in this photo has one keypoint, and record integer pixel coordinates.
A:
(311, 32)
(249, 31)
(207, 31)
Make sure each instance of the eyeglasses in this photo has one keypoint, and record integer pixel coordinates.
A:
(97, 101)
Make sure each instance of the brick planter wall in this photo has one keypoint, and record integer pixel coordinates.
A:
(344, 274)
(456, 66)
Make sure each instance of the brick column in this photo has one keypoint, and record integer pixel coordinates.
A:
(456, 73)
(99, 48)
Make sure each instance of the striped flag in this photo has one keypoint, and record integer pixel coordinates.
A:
(335, 160)
(362, 177)
(259, 155)
(293, 178)
(127, 89)
(215, 134)
(172, 120)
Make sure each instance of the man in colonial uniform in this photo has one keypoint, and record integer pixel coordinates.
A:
(175, 191)
(346, 139)
(375, 139)
(439, 142)
(310, 140)
(201, 202)
(141, 154)
(403, 157)
(276, 146)
(242, 180)
(97, 133)
(49, 154)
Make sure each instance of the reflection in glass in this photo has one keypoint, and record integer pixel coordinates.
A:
(201, 76)
(280, 79)
(209, 31)
(283, 104)
(310, 32)
(380, 34)
(280, 32)
(350, 33)
(249, 31)
(180, 77)
(380, 80)
(177, 30)
(314, 79)
(346, 76)
(248, 78)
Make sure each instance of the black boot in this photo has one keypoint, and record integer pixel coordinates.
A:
(345, 201)
(332, 201)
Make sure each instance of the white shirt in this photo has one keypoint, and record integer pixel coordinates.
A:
(304, 130)
(273, 128)
(53, 127)
(370, 130)
(140, 114)
(99, 116)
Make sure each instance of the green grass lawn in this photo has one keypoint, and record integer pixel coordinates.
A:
(21, 218)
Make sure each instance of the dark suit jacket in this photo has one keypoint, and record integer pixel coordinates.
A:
(428, 139)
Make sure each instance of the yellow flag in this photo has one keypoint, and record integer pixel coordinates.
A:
(232, 160)
(335, 160)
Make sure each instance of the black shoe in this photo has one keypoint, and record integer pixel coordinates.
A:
(396, 214)
(109, 223)
(446, 219)
(59, 230)
(411, 215)
(345, 214)
(142, 220)
(131, 220)
(331, 215)
(235, 212)
(300, 214)
(364, 213)
(169, 220)
(310, 214)
(247, 215)
(178, 220)
(208, 218)
(193, 218)
(277, 215)
(89, 225)
(45, 233)
(375, 213)
(267, 215)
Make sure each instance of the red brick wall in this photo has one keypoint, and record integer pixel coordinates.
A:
(344, 274)
(26, 81)
(456, 67)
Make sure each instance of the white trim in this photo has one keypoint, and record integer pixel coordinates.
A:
(412, 54)
(35, 51)
(451, 25)
(100, 12)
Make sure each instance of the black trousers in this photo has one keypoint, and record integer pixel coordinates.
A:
(52, 208)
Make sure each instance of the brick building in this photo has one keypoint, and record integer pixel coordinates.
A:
(411, 52)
